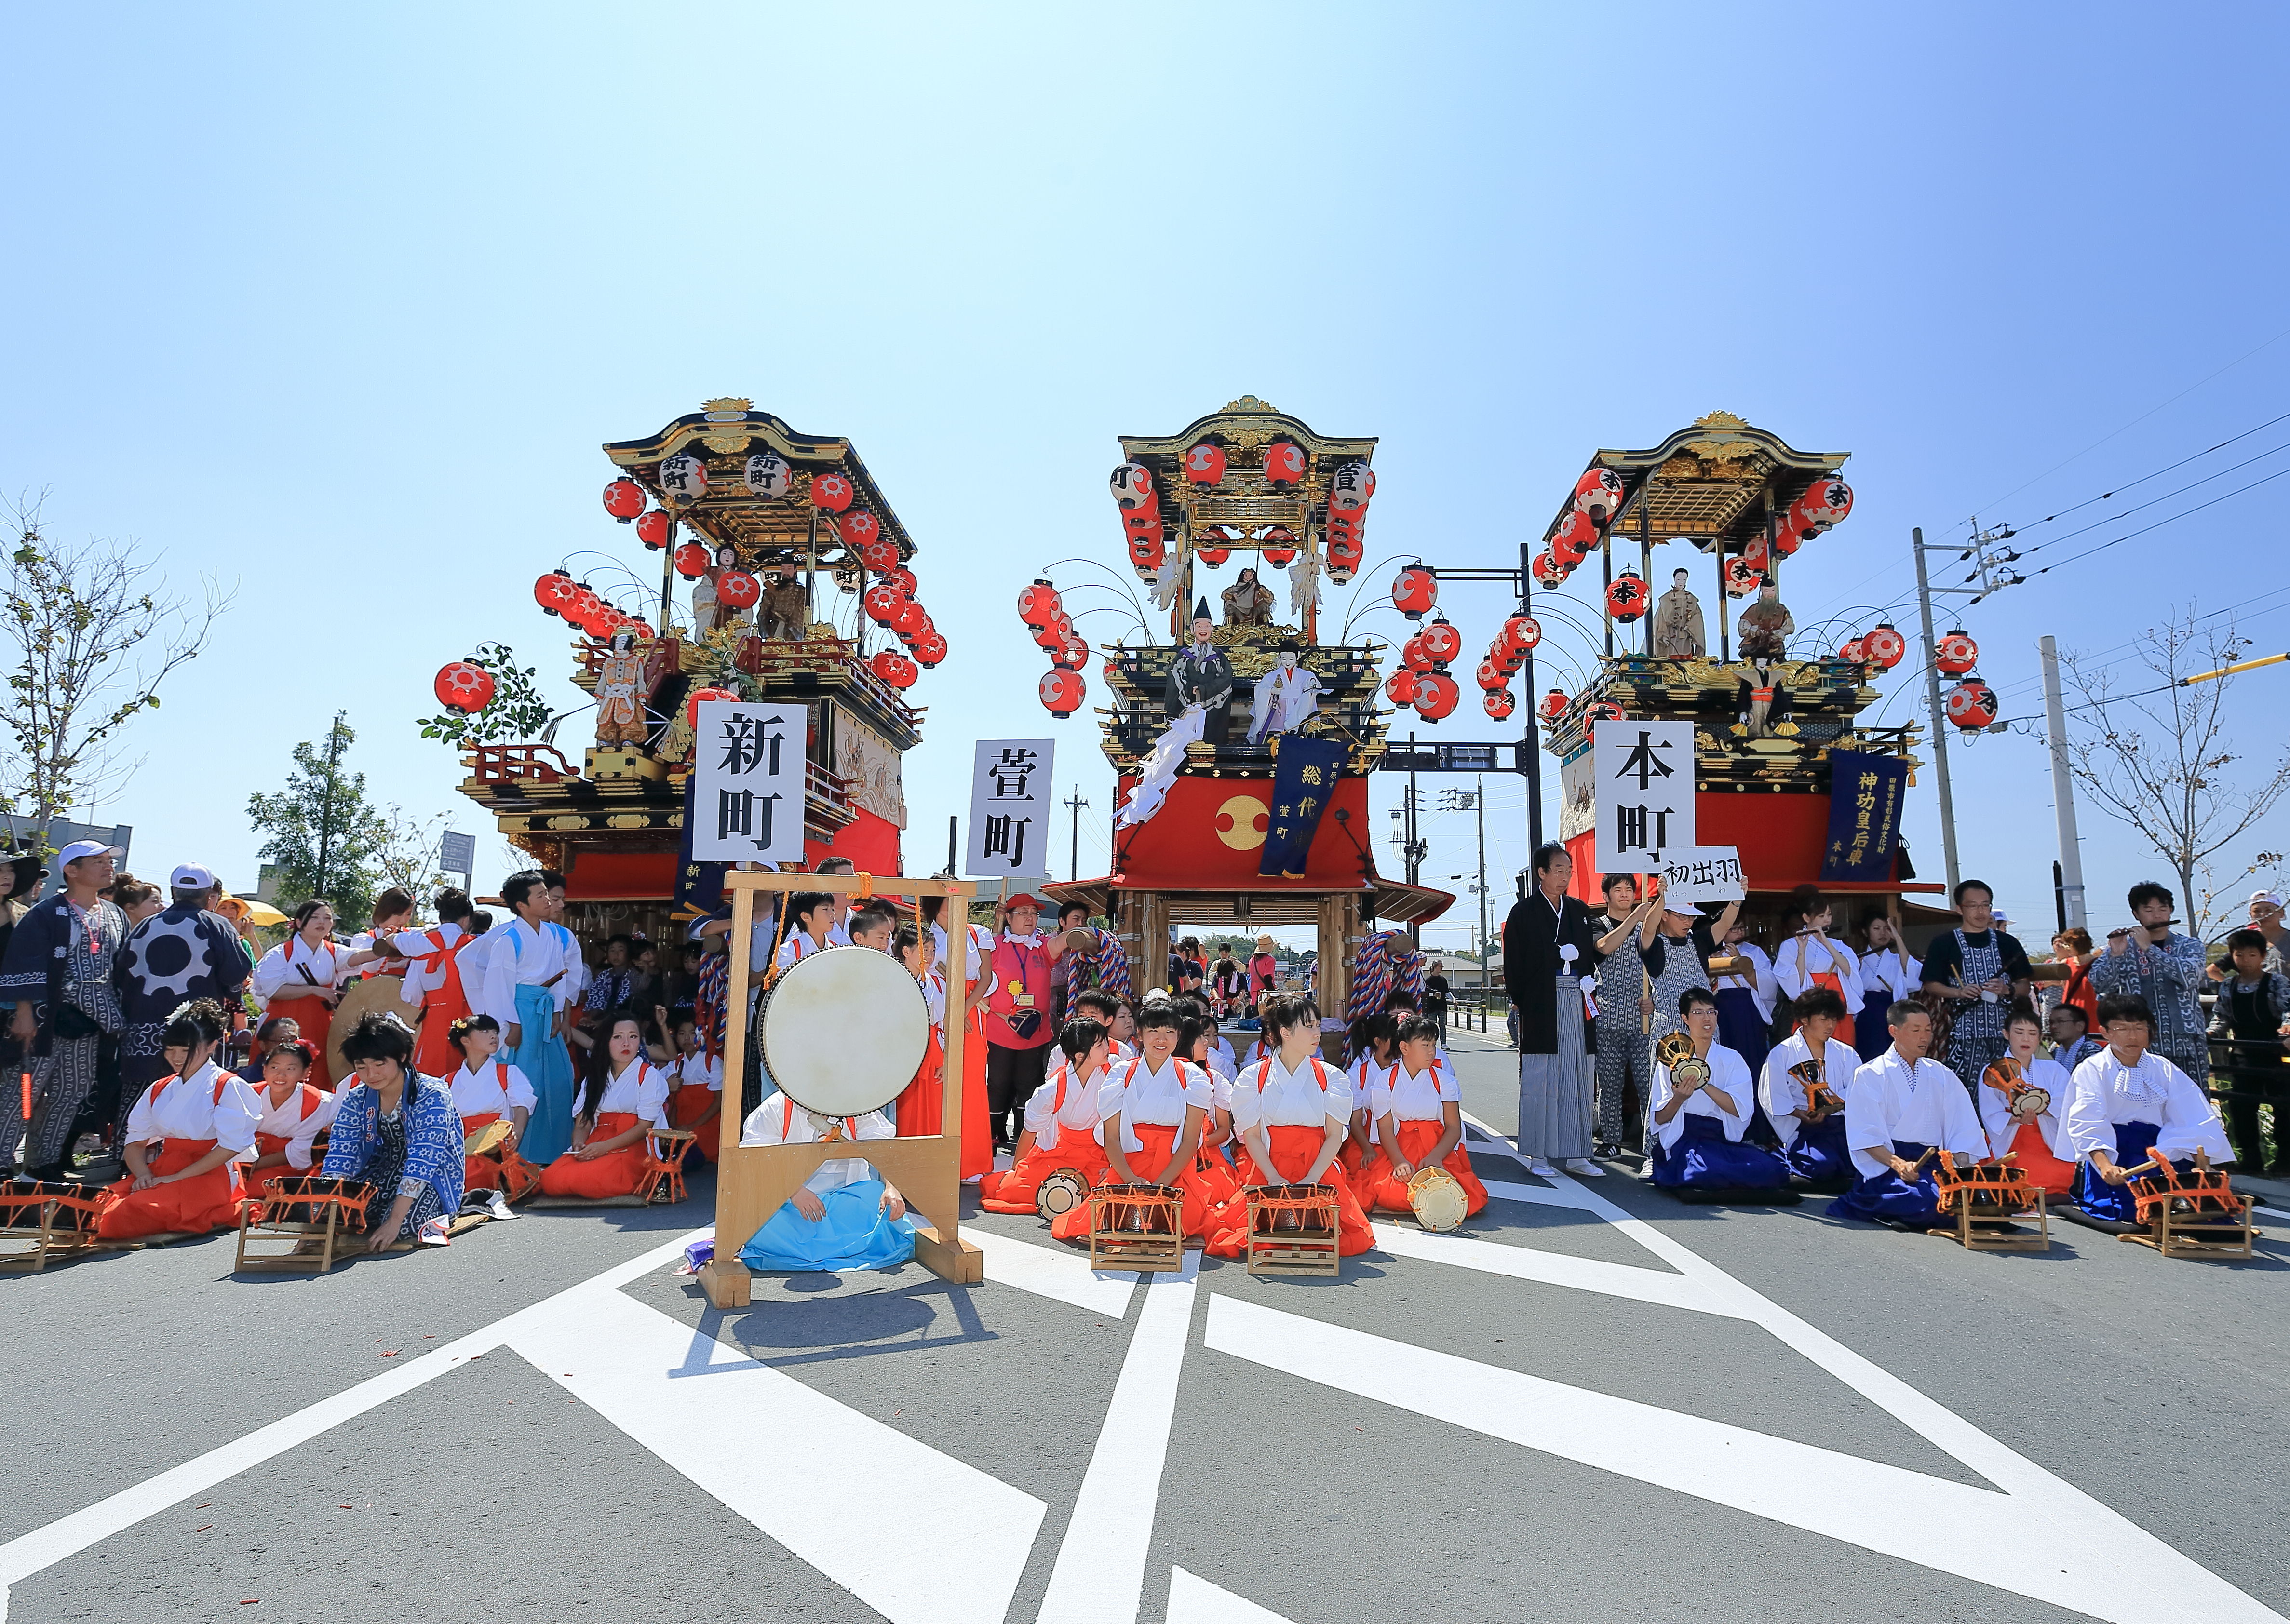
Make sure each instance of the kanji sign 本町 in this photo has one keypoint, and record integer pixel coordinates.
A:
(1010, 797)
(1645, 790)
(748, 771)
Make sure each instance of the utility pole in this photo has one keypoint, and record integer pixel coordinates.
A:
(1073, 863)
(1939, 720)
(1475, 800)
(2056, 724)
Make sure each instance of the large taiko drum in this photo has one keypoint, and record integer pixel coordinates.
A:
(844, 1031)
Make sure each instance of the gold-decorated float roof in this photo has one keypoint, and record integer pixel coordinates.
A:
(1244, 499)
(725, 434)
(1711, 483)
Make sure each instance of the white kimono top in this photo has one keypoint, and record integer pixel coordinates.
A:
(1800, 957)
(473, 955)
(1061, 1105)
(799, 946)
(1995, 1114)
(210, 1103)
(414, 946)
(977, 961)
(1729, 1074)
(2105, 1092)
(1413, 1096)
(294, 960)
(1780, 1094)
(301, 1119)
(1269, 1095)
(780, 1121)
(1920, 1104)
(1137, 1094)
(1884, 981)
(1758, 982)
(696, 1071)
(495, 1087)
(641, 1091)
(523, 956)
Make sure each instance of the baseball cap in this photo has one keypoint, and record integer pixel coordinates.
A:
(191, 877)
(78, 849)
(2271, 899)
(1023, 899)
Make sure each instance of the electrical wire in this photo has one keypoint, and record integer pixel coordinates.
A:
(2151, 501)
(2158, 524)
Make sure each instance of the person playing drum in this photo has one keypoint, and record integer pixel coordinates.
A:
(1812, 1138)
(487, 1089)
(1702, 1101)
(2127, 1100)
(1061, 1121)
(625, 1099)
(1418, 1107)
(845, 1216)
(182, 1137)
(1904, 1108)
(1291, 1113)
(294, 1114)
(2031, 1127)
(1149, 1117)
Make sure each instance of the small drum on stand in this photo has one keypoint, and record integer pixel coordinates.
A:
(1291, 1229)
(296, 1228)
(1059, 1194)
(2190, 1214)
(1437, 1198)
(1136, 1226)
(1986, 1199)
(40, 1221)
(376, 992)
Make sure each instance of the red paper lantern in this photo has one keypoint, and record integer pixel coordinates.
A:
(1741, 577)
(1146, 553)
(1414, 591)
(1605, 710)
(1626, 596)
(1554, 705)
(738, 589)
(1284, 463)
(1959, 653)
(832, 492)
(1853, 649)
(654, 529)
(1279, 545)
(1205, 463)
(1038, 603)
(859, 528)
(1212, 555)
(1062, 692)
(1401, 689)
(624, 498)
(556, 592)
(1492, 676)
(698, 697)
(1500, 703)
(908, 619)
(893, 668)
(1549, 574)
(1885, 645)
(1054, 633)
(1573, 539)
(1521, 632)
(1756, 554)
(1073, 654)
(770, 476)
(463, 687)
(1436, 696)
(880, 555)
(641, 627)
(1823, 506)
(1790, 534)
(1505, 659)
(1597, 494)
(1345, 552)
(691, 561)
(1414, 655)
(903, 579)
(929, 648)
(1133, 488)
(1350, 488)
(583, 606)
(1442, 641)
(1972, 704)
(882, 602)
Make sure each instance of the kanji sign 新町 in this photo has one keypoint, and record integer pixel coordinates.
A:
(1644, 793)
(1010, 797)
(748, 771)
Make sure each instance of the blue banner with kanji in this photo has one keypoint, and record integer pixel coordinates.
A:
(699, 885)
(1866, 795)
(1303, 778)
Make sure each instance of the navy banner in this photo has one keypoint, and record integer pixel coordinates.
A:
(1303, 778)
(699, 886)
(1866, 794)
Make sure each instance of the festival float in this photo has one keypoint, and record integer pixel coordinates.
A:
(796, 588)
(1243, 743)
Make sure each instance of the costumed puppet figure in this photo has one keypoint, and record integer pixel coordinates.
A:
(2023, 1107)
(1763, 631)
(1762, 639)
(1418, 1107)
(2127, 1100)
(709, 612)
(1291, 1113)
(1901, 1107)
(1806, 1079)
(1703, 1096)
(1247, 602)
(1201, 677)
(1151, 1115)
(787, 607)
(1061, 1121)
(1677, 631)
(184, 1134)
(1287, 696)
(624, 681)
(845, 1216)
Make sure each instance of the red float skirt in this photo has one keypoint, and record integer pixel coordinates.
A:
(617, 1173)
(189, 1206)
(687, 1105)
(316, 1021)
(1417, 1136)
(1294, 1149)
(1201, 1199)
(2034, 1158)
(1014, 1191)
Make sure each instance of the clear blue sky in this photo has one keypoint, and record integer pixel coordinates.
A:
(341, 304)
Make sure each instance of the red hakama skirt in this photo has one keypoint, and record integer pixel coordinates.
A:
(687, 1105)
(1200, 1200)
(617, 1173)
(1014, 1191)
(434, 1054)
(189, 1206)
(1831, 980)
(255, 1182)
(1387, 1193)
(1294, 1149)
(2034, 1158)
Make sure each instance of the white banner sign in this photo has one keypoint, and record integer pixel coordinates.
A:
(1645, 793)
(747, 764)
(1010, 810)
(1696, 874)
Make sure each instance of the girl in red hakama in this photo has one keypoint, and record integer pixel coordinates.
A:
(433, 982)
(293, 1115)
(627, 1097)
(697, 1101)
(2038, 1143)
(487, 1089)
(1292, 1114)
(1151, 1112)
(1214, 1160)
(182, 1137)
(1419, 1112)
(1061, 1121)
(301, 979)
(1362, 1159)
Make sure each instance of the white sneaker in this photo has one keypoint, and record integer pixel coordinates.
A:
(1588, 1168)
(1541, 1169)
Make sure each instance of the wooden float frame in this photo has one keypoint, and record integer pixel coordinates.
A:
(754, 1181)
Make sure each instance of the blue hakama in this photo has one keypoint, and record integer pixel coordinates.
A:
(1741, 1029)
(1883, 1198)
(1705, 1159)
(2113, 1202)
(546, 1065)
(853, 1234)
(1821, 1153)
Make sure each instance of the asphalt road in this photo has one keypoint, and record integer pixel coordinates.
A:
(1593, 1403)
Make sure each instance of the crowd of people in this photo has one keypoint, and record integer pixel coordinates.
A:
(1817, 1061)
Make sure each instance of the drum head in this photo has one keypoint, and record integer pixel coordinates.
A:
(844, 1031)
(489, 1138)
(1062, 1192)
(1437, 1198)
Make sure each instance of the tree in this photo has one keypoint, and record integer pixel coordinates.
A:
(2159, 760)
(516, 712)
(407, 857)
(325, 838)
(89, 633)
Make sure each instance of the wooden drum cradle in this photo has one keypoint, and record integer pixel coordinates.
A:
(1291, 1229)
(2191, 1215)
(298, 1227)
(1986, 1200)
(1138, 1227)
(40, 1222)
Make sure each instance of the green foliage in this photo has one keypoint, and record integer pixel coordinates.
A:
(323, 834)
(517, 713)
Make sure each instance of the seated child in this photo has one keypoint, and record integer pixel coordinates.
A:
(487, 1089)
(1150, 1115)
(1061, 1121)
(1418, 1107)
(2037, 1143)
(626, 1099)
(294, 1114)
(844, 1216)
(1813, 1141)
(1291, 1113)
(183, 1135)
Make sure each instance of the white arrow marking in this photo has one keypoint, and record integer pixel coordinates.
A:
(1065, 1276)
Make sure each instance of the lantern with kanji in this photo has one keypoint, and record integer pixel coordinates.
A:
(1414, 591)
(1573, 540)
(655, 530)
(1442, 641)
(699, 697)
(1284, 464)
(1957, 654)
(1401, 689)
(1741, 577)
(1350, 487)
(908, 619)
(1133, 488)
(893, 668)
(1062, 692)
(1824, 506)
(1500, 703)
(556, 592)
(929, 648)
(1414, 655)
(1205, 463)
(463, 687)
(769, 477)
(832, 492)
(738, 589)
(1972, 704)
(1602, 711)
(1626, 596)
(1280, 544)
(683, 479)
(1436, 696)
(1038, 604)
(1853, 649)
(624, 498)
(1554, 705)
(1492, 676)
(859, 528)
(1884, 646)
(1597, 494)
(1548, 573)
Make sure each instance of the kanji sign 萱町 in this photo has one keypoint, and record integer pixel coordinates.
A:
(747, 772)
(1644, 793)
(1010, 797)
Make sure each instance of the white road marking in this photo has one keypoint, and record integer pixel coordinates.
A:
(1050, 1271)
(2057, 1546)
(2262, 1211)
(1536, 1195)
(1554, 1268)
(1193, 1600)
(1100, 1577)
(809, 1471)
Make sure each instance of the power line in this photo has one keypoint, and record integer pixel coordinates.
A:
(2159, 523)
(2159, 472)
(2151, 501)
